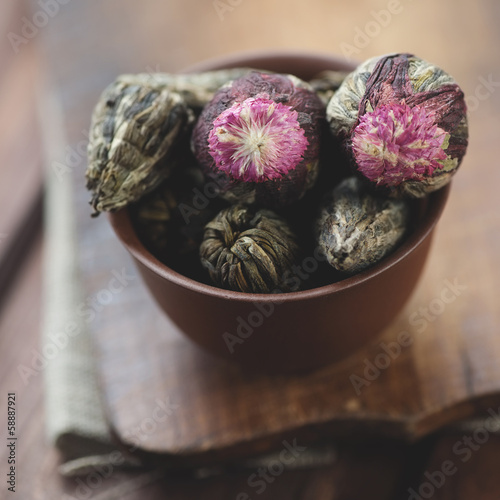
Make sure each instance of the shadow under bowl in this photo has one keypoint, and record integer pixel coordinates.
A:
(290, 332)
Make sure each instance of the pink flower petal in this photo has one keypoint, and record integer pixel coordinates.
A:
(257, 140)
(396, 143)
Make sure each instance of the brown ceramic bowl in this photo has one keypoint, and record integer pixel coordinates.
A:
(292, 332)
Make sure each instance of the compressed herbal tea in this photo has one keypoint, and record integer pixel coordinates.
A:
(262, 132)
(249, 250)
(356, 229)
(200, 159)
(403, 122)
(152, 216)
(135, 128)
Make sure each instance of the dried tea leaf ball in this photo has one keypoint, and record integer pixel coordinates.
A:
(152, 216)
(356, 229)
(262, 132)
(197, 89)
(135, 126)
(249, 250)
(403, 122)
(326, 83)
(166, 223)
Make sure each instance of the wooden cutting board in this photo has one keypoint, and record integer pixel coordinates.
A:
(437, 364)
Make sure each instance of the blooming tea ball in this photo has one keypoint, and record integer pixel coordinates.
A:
(357, 228)
(250, 250)
(259, 139)
(403, 122)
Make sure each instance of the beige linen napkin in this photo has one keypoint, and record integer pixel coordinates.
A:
(73, 408)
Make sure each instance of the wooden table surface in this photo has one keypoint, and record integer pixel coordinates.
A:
(85, 45)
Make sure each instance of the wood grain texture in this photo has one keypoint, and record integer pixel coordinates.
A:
(446, 374)
(89, 43)
(221, 408)
(19, 328)
(463, 466)
(382, 465)
(20, 146)
(381, 473)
